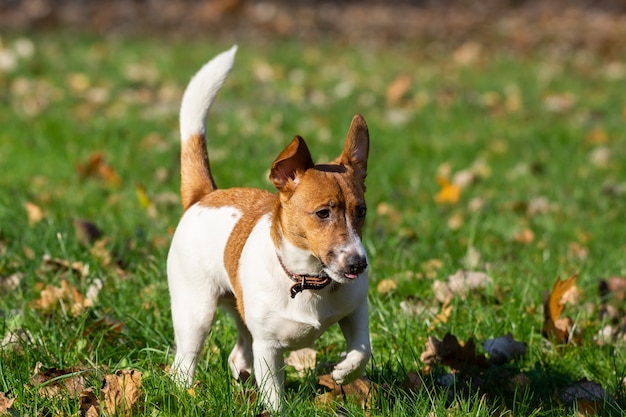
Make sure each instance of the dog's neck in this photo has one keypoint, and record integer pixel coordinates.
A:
(305, 282)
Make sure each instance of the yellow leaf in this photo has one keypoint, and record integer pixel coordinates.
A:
(449, 193)
(386, 286)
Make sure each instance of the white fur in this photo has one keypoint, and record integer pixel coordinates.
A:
(201, 92)
(274, 322)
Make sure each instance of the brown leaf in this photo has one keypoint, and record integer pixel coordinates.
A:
(303, 360)
(5, 403)
(88, 404)
(35, 214)
(52, 297)
(450, 352)
(50, 264)
(398, 88)
(97, 167)
(87, 232)
(613, 286)
(359, 391)
(555, 327)
(54, 382)
(122, 391)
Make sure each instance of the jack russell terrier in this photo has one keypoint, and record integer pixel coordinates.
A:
(286, 265)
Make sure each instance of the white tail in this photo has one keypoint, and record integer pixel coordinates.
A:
(201, 92)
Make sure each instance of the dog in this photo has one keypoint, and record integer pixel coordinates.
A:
(286, 266)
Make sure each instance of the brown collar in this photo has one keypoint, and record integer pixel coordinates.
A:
(305, 282)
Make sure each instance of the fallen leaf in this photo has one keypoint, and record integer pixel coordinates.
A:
(504, 348)
(386, 286)
(54, 382)
(449, 352)
(449, 194)
(359, 391)
(121, 391)
(10, 283)
(15, 340)
(303, 360)
(97, 167)
(88, 404)
(5, 403)
(87, 232)
(34, 213)
(586, 396)
(524, 236)
(555, 327)
(50, 264)
(468, 53)
(443, 316)
(398, 88)
(52, 297)
(614, 287)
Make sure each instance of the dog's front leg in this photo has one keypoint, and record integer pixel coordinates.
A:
(355, 328)
(269, 373)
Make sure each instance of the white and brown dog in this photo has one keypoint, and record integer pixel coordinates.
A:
(285, 265)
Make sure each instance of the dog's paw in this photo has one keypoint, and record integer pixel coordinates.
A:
(350, 367)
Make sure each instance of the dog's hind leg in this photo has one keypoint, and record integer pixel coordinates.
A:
(192, 313)
(240, 358)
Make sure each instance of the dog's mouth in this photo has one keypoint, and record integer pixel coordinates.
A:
(350, 273)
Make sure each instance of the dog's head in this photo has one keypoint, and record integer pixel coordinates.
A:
(321, 208)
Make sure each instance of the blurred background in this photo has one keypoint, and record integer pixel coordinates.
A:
(520, 24)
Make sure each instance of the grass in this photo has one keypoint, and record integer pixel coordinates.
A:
(540, 129)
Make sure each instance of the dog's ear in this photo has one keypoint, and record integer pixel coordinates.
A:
(291, 164)
(357, 146)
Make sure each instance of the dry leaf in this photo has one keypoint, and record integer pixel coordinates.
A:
(88, 404)
(50, 264)
(449, 194)
(35, 214)
(588, 396)
(468, 53)
(54, 382)
(524, 236)
(442, 317)
(386, 286)
(464, 281)
(450, 352)
(86, 232)
(555, 327)
(16, 340)
(5, 403)
(504, 348)
(51, 297)
(121, 391)
(96, 166)
(359, 391)
(303, 360)
(398, 88)
(10, 283)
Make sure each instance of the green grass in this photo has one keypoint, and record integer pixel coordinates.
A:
(78, 95)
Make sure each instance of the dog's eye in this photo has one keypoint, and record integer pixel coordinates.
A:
(323, 213)
(360, 211)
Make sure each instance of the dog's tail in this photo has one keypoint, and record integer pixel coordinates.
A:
(195, 172)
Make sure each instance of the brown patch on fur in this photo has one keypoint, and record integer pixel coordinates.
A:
(253, 203)
(195, 172)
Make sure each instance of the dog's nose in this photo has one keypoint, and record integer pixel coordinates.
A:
(357, 264)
